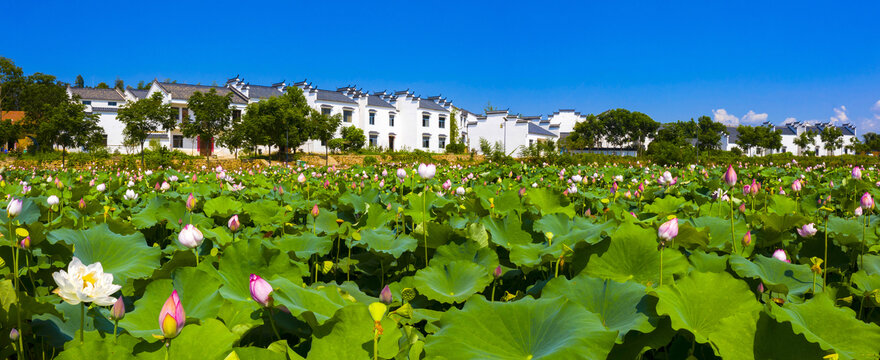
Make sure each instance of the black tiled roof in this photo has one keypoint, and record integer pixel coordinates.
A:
(97, 94)
(104, 109)
(335, 96)
(733, 135)
(375, 100)
(537, 130)
(185, 91)
(430, 105)
(139, 94)
(262, 92)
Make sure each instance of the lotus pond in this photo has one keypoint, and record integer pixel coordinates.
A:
(410, 262)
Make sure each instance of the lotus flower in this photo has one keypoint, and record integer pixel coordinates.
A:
(101, 187)
(867, 201)
(165, 186)
(401, 173)
(261, 290)
(497, 272)
(576, 178)
(82, 203)
(315, 211)
(385, 295)
(130, 195)
(796, 186)
(779, 254)
(85, 283)
(117, 312)
(856, 173)
(747, 238)
(52, 200)
(669, 230)
(459, 191)
(190, 202)
(190, 236)
(13, 335)
(427, 171)
(13, 208)
(729, 177)
(301, 178)
(858, 211)
(172, 318)
(234, 224)
(447, 185)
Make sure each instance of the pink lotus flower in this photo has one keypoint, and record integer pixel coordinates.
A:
(867, 201)
(669, 230)
(729, 177)
(385, 295)
(190, 202)
(858, 211)
(747, 238)
(190, 236)
(315, 211)
(233, 223)
(779, 254)
(261, 291)
(856, 173)
(117, 312)
(172, 318)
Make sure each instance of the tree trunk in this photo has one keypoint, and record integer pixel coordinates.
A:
(326, 155)
(143, 165)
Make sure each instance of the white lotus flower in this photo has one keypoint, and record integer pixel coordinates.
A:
(52, 200)
(101, 187)
(130, 195)
(85, 283)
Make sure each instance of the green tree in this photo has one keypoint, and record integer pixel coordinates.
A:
(585, 133)
(622, 127)
(143, 117)
(79, 83)
(832, 138)
(212, 117)
(10, 131)
(749, 137)
(324, 128)
(102, 85)
(353, 138)
(804, 140)
(66, 125)
(283, 120)
(768, 137)
(12, 84)
(872, 141)
(119, 84)
(709, 133)
(143, 86)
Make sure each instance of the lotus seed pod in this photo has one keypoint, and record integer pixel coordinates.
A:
(408, 294)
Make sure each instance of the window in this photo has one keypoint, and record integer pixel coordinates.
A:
(104, 140)
(177, 141)
(372, 118)
(441, 142)
(326, 111)
(185, 113)
(374, 140)
(426, 141)
(236, 115)
(426, 120)
(87, 102)
(346, 116)
(391, 120)
(531, 142)
(111, 103)
(442, 122)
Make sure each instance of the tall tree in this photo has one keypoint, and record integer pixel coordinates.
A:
(66, 125)
(79, 83)
(709, 133)
(627, 127)
(119, 84)
(804, 140)
(324, 128)
(143, 86)
(284, 119)
(585, 133)
(12, 84)
(872, 141)
(768, 138)
(212, 116)
(748, 138)
(102, 85)
(832, 138)
(143, 117)
(353, 138)
(9, 131)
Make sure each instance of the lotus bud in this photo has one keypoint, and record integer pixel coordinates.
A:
(190, 202)
(761, 288)
(172, 318)
(747, 238)
(779, 254)
(385, 295)
(13, 335)
(52, 200)
(729, 177)
(401, 173)
(190, 236)
(165, 186)
(26, 242)
(82, 203)
(755, 187)
(117, 312)
(858, 211)
(101, 187)
(807, 230)
(742, 207)
(377, 311)
(234, 224)
(747, 190)
(867, 201)
(13, 208)
(668, 230)
(301, 178)
(856, 173)
(261, 290)
(497, 272)
(315, 211)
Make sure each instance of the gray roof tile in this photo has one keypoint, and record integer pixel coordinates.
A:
(97, 94)
(185, 91)
(430, 105)
(262, 92)
(335, 96)
(375, 100)
(139, 94)
(537, 130)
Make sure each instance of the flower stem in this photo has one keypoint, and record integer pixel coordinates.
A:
(375, 344)
(732, 232)
(493, 290)
(272, 322)
(82, 324)
(661, 266)
(864, 239)
(196, 253)
(424, 225)
(115, 330)
(825, 273)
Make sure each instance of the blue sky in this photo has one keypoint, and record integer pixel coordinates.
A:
(673, 60)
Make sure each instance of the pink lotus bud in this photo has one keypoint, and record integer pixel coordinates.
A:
(301, 178)
(14, 208)
(26, 243)
(427, 171)
(755, 187)
(856, 173)
(747, 190)
(315, 211)
(497, 272)
(761, 287)
(233, 223)
(385, 295)
(401, 173)
(669, 230)
(796, 185)
(867, 201)
(858, 211)
(261, 291)
(729, 177)
(190, 202)
(82, 203)
(117, 312)
(742, 207)
(747, 238)
(190, 236)
(779, 254)
(172, 318)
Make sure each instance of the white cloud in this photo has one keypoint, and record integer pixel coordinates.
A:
(840, 115)
(723, 117)
(789, 120)
(752, 118)
(876, 108)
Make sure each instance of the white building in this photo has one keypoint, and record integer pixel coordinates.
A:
(105, 103)
(790, 132)
(513, 132)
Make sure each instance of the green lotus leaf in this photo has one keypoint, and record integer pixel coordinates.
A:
(848, 232)
(266, 213)
(707, 262)
(506, 232)
(774, 340)
(349, 335)
(719, 230)
(571, 231)
(549, 202)
(315, 306)
(124, 256)
(620, 306)
(477, 232)
(777, 276)
(871, 264)
(306, 244)
(222, 206)
(864, 282)
(668, 205)
(157, 210)
(99, 346)
(782, 205)
(255, 353)
(244, 258)
(632, 255)
(716, 308)
(325, 223)
(209, 340)
(832, 328)
(636, 343)
(467, 251)
(384, 240)
(525, 329)
(452, 282)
